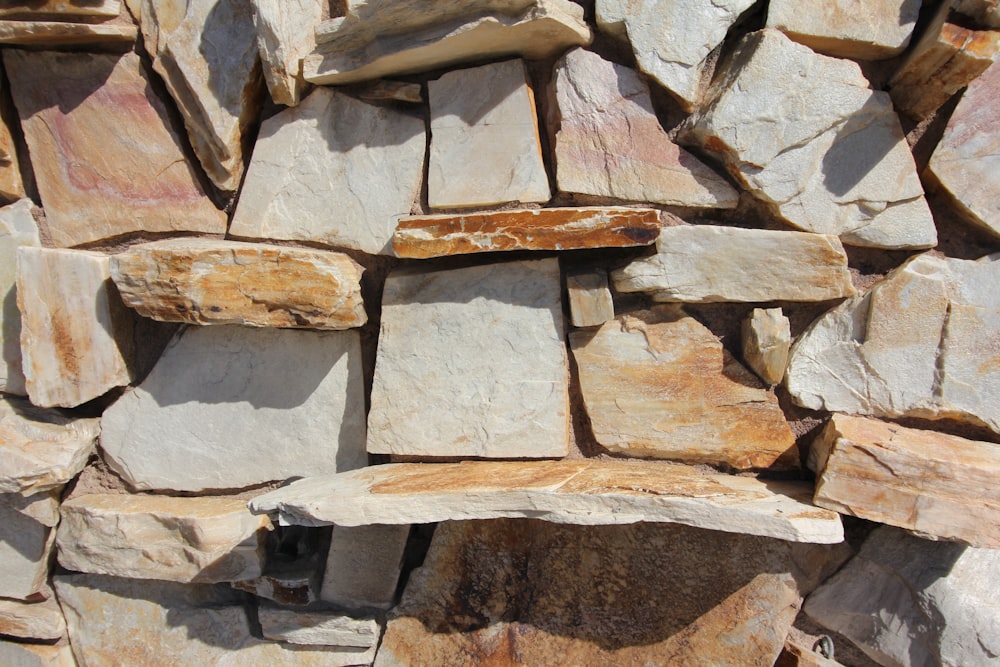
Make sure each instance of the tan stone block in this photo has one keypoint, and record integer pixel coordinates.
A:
(54, 33)
(286, 33)
(13, 654)
(11, 183)
(320, 628)
(840, 28)
(17, 228)
(767, 338)
(60, 8)
(26, 541)
(590, 303)
(34, 620)
(363, 565)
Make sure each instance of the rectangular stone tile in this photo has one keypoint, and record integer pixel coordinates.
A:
(363, 565)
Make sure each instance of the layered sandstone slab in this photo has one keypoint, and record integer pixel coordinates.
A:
(61, 34)
(203, 281)
(319, 628)
(578, 492)
(424, 236)
(14, 654)
(111, 164)
(363, 565)
(26, 541)
(17, 228)
(11, 183)
(286, 33)
(767, 338)
(35, 620)
(658, 384)
(590, 302)
(840, 28)
(61, 8)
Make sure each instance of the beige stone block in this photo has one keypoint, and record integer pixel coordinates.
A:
(25, 545)
(71, 9)
(13, 654)
(767, 338)
(320, 628)
(17, 228)
(37, 620)
(363, 565)
(590, 303)
(47, 34)
(840, 28)
(286, 33)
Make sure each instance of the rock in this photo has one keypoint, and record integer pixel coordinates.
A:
(116, 621)
(204, 281)
(17, 228)
(293, 567)
(41, 449)
(965, 160)
(230, 407)
(72, 9)
(840, 28)
(311, 176)
(447, 346)
(192, 540)
(424, 236)
(767, 337)
(986, 12)
(797, 653)
(286, 33)
(708, 263)
(410, 38)
(319, 628)
(36, 620)
(590, 303)
(48, 34)
(527, 592)
(363, 566)
(141, 182)
(76, 337)
(25, 546)
(607, 141)
(13, 654)
(912, 602)
(574, 491)
(11, 183)
(839, 164)
(383, 90)
(206, 52)
(936, 485)
(485, 148)
(658, 384)
(910, 347)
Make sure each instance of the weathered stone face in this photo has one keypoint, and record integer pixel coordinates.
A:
(767, 338)
(35, 620)
(590, 302)
(286, 32)
(36, 655)
(878, 30)
(17, 228)
(61, 9)
(59, 34)
(26, 539)
(363, 566)
(319, 628)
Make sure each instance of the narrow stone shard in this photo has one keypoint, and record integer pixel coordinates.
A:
(229, 407)
(578, 492)
(76, 336)
(658, 384)
(590, 303)
(363, 566)
(203, 281)
(840, 28)
(608, 142)
(485, 149)
(286, 33)
(61, 8)
(35, 620)
(17, 228)
(767, 338)
(14, 654)
(839, 163)
(311, 176)
(482, 349)
(319, 628)
(111, 165)
(61, 34)
(384, 90)
(985, 11)
(707, 263)
(424, 236)
(11, 183)
(25, 545)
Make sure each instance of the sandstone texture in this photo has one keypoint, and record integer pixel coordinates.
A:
(363, 565)
(14, 654)
(71, 9)
(707, 263)
(424, 236)
(590, 303)
(658, 384)
(25, 545)
(11, 182)
(804, 133)
(485, 149)
(579, 492)
(481, 348)
(57, 34)
(607, 141)
(17, 228)
(311, 176)
(230, 407)
(111, 164)
(286, 33)
(767, 338)
(36, 620)
(203, 281)
(879, 30)
(384, 90)
(985, 11)
(320, 628)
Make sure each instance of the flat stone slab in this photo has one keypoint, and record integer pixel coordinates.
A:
(26, 540)
(50, 34)
(15, 654)
(578, 492)
(363, 566)
(840, 28)
(35, 620)
(204, 281)
(11, 183)
(472, 362)
(286, 33)
(61, 8)
(318, 628)
(17, 228)
(424, 236)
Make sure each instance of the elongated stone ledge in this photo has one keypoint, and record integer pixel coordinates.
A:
(56, 33)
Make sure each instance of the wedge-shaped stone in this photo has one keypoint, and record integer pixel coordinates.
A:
(919, 344)
(110, 164)
(934, 484)
(767, 337)
(658, 384)
(26, 539)
(840, 28)
(318, 628)
(14, 654)
(228, 407)
(17, 228)
(11, 183)
(352, 51)
(706, 263)
(76, 336)
(833, 161)
(116, 621)
(36, 620)
(912, 602)
(59, 33)
(40, 449)
(986, 12)
(479, 348)
(203, 281)
(485, 149)
(363, 565)
(608, 142)
(311, 176)
(590, 302)
(423, 236)
(200, 540)
(579, 492)
(286, 32)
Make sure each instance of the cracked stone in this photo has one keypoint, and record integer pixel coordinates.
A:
(33, 620)
(286, 33)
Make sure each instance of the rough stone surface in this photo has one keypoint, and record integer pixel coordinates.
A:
(13, 654)
(76, 336)
(922, 343)
(838, 164)
(11, 183)
(17, 228)
(55, 34)
(36, 620)
(985, 11)
(41, 449)
(25, 546)
(426, 236)
(526, 592)
(480, 348)
(915, 603)
(111, 164)
(607, 141)
(579, 492)
(590, 303)
(840, 28)
(203, 281)
(201, 540)
(383, 90)
(363, 565)
(230, 407)
(60, 9)
(311, 176)
(485, 149)
(767, 337)
(286, 33)
(707, 263)
(320, 628)
(658, 384)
